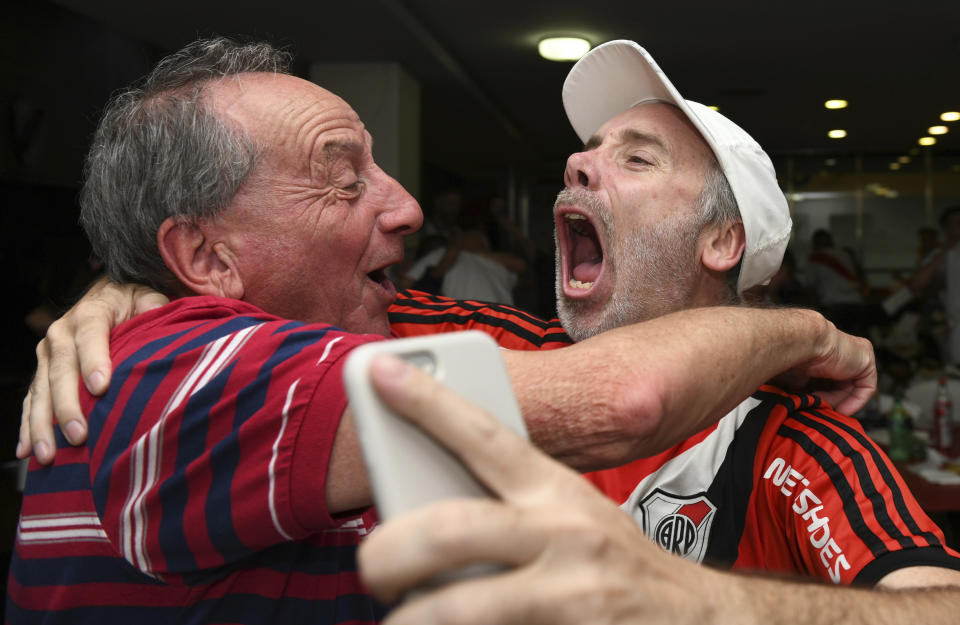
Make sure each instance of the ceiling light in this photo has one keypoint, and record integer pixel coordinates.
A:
(563, 48)
(894, 166)
(950, 116)
(716, 108)
(903, 160)
(937, 130)
(837, 134)
(835, 104)
(927, 141)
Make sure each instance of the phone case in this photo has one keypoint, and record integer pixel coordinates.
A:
(407, 468)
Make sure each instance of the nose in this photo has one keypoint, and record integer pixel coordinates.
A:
(401, 213)
(580, 171)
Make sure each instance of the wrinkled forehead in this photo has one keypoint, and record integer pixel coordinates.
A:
(661, 123)
(278, 109)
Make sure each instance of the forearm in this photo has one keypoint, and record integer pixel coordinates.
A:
(637, 390)
(762, 601)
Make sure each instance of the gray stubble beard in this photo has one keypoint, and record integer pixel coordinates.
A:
(659, 259)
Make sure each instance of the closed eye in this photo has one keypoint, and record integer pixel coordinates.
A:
(353, 190)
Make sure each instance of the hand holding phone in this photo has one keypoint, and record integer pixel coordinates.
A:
(407, 468)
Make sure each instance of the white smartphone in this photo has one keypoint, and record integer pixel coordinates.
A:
(407, 467)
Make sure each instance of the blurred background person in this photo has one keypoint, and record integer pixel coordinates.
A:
(834, 276)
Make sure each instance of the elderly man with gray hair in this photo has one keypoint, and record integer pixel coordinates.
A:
(221, 481)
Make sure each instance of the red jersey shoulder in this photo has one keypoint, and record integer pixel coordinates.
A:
(415, 314)
(832, 488)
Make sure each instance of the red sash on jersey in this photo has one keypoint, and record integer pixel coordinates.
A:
(831, 261)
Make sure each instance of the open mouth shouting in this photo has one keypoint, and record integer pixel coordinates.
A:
(581, 252)
(383, 283)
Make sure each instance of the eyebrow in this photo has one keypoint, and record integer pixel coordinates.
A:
(334, 149)
(629, 136)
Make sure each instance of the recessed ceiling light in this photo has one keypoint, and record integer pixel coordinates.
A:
(563, 48)
(716, 108)
(927, 141)
(837, 134)
(835, 104)
(950, 116)
(894, 166)
(937, 130)
(903, 160)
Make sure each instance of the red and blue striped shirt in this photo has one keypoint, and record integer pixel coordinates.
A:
(200, 497)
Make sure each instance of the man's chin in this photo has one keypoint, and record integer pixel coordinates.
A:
(368, 320)
(579, 318)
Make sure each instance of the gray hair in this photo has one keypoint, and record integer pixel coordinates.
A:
(717, 206)
(162, 151)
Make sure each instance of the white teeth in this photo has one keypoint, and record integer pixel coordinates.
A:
(572, 216)
(580, 285)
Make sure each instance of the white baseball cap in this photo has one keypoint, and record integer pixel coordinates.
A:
(618, 75)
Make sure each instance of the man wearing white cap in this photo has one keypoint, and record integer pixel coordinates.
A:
(667, 200)
(680, 196)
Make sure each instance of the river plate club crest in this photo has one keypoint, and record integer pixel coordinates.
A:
(680, 525)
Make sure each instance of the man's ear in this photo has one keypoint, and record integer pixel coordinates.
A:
(203, 266)
(722, 246)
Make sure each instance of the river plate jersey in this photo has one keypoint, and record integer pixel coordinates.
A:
(782, 483)
(415, 314)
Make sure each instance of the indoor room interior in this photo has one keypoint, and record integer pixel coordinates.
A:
(857, 103)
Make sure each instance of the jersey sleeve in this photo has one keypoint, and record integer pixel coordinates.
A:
(416, 314)
(830, 499)
(212, 444)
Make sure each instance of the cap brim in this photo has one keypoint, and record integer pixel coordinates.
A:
(614, 77)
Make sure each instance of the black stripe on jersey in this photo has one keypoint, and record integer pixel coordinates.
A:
(443, 303)
(733, 486)
(883, 467)
(409, 295)
(894, 560)
(471, 307)
(879, 460)
(879, 506)
(488, 320)
(842, 486)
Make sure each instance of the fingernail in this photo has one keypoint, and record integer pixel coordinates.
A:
(74, 432)
(42, 450)
(388, 366)
(96, 380)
